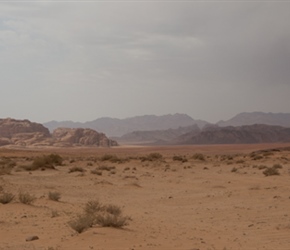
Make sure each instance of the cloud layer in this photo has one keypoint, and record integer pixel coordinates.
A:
(83, 60)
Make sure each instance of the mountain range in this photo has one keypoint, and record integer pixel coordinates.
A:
(114, 127)
(256, 127)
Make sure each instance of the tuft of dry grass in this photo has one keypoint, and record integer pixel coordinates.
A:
(93, 207)
(110, 220)
(26, 198)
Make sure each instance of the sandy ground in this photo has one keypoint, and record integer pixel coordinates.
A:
(223, 202)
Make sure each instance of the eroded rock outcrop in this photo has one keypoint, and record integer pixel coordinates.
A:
(81, 137)
(26, 133)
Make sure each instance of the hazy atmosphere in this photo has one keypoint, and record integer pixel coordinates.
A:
(80, 60)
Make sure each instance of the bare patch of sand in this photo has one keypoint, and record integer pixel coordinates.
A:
(222, 202)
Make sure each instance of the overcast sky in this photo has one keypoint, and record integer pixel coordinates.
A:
(81, 60)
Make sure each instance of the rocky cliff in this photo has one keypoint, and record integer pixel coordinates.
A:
(26, 133)
(81, 137)
(257, 133)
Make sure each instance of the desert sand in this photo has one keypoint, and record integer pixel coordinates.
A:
(220, 201)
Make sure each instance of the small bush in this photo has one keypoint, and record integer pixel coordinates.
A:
(113, 158)
(113, 209)
(277, 166)
(6, 166)
(109, 220)
(96, 171)
(199, 157)
(234, 170)
(93, 207)
(271, 171)
(54, 196)
(26, 198)
(82, 222)
(106, 168)
(152, 157)
(76, 169)
(6, 198)
(45, 162)
(179, 158)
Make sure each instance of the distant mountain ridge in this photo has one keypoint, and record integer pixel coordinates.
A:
(157, 136)
(119, 127)
(258, 133)
(250, 118)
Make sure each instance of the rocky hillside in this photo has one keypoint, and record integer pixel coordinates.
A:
(26, 133)
(257, 133)
(81, 137)
(119, 127)
(157, 136)
(277, 119)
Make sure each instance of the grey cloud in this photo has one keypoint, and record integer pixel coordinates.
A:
(203, 58)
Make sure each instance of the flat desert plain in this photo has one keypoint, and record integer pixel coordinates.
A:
(175, 197)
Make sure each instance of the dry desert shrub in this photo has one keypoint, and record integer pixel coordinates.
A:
(44, 162)
(269, 171)
(96, 171)
(26, 198)
(6, 198)
(198, 156)
(179, 158)
(6, 165)
(113, 158)
(76, 169)
(106, 168)
(152, 157)
(82, 222)
(54, 196)
(97, 214)
(93, 207)
(110, 220)
(47, 161)
(234, 169)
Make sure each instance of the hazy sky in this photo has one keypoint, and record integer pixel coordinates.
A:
(81, 60)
